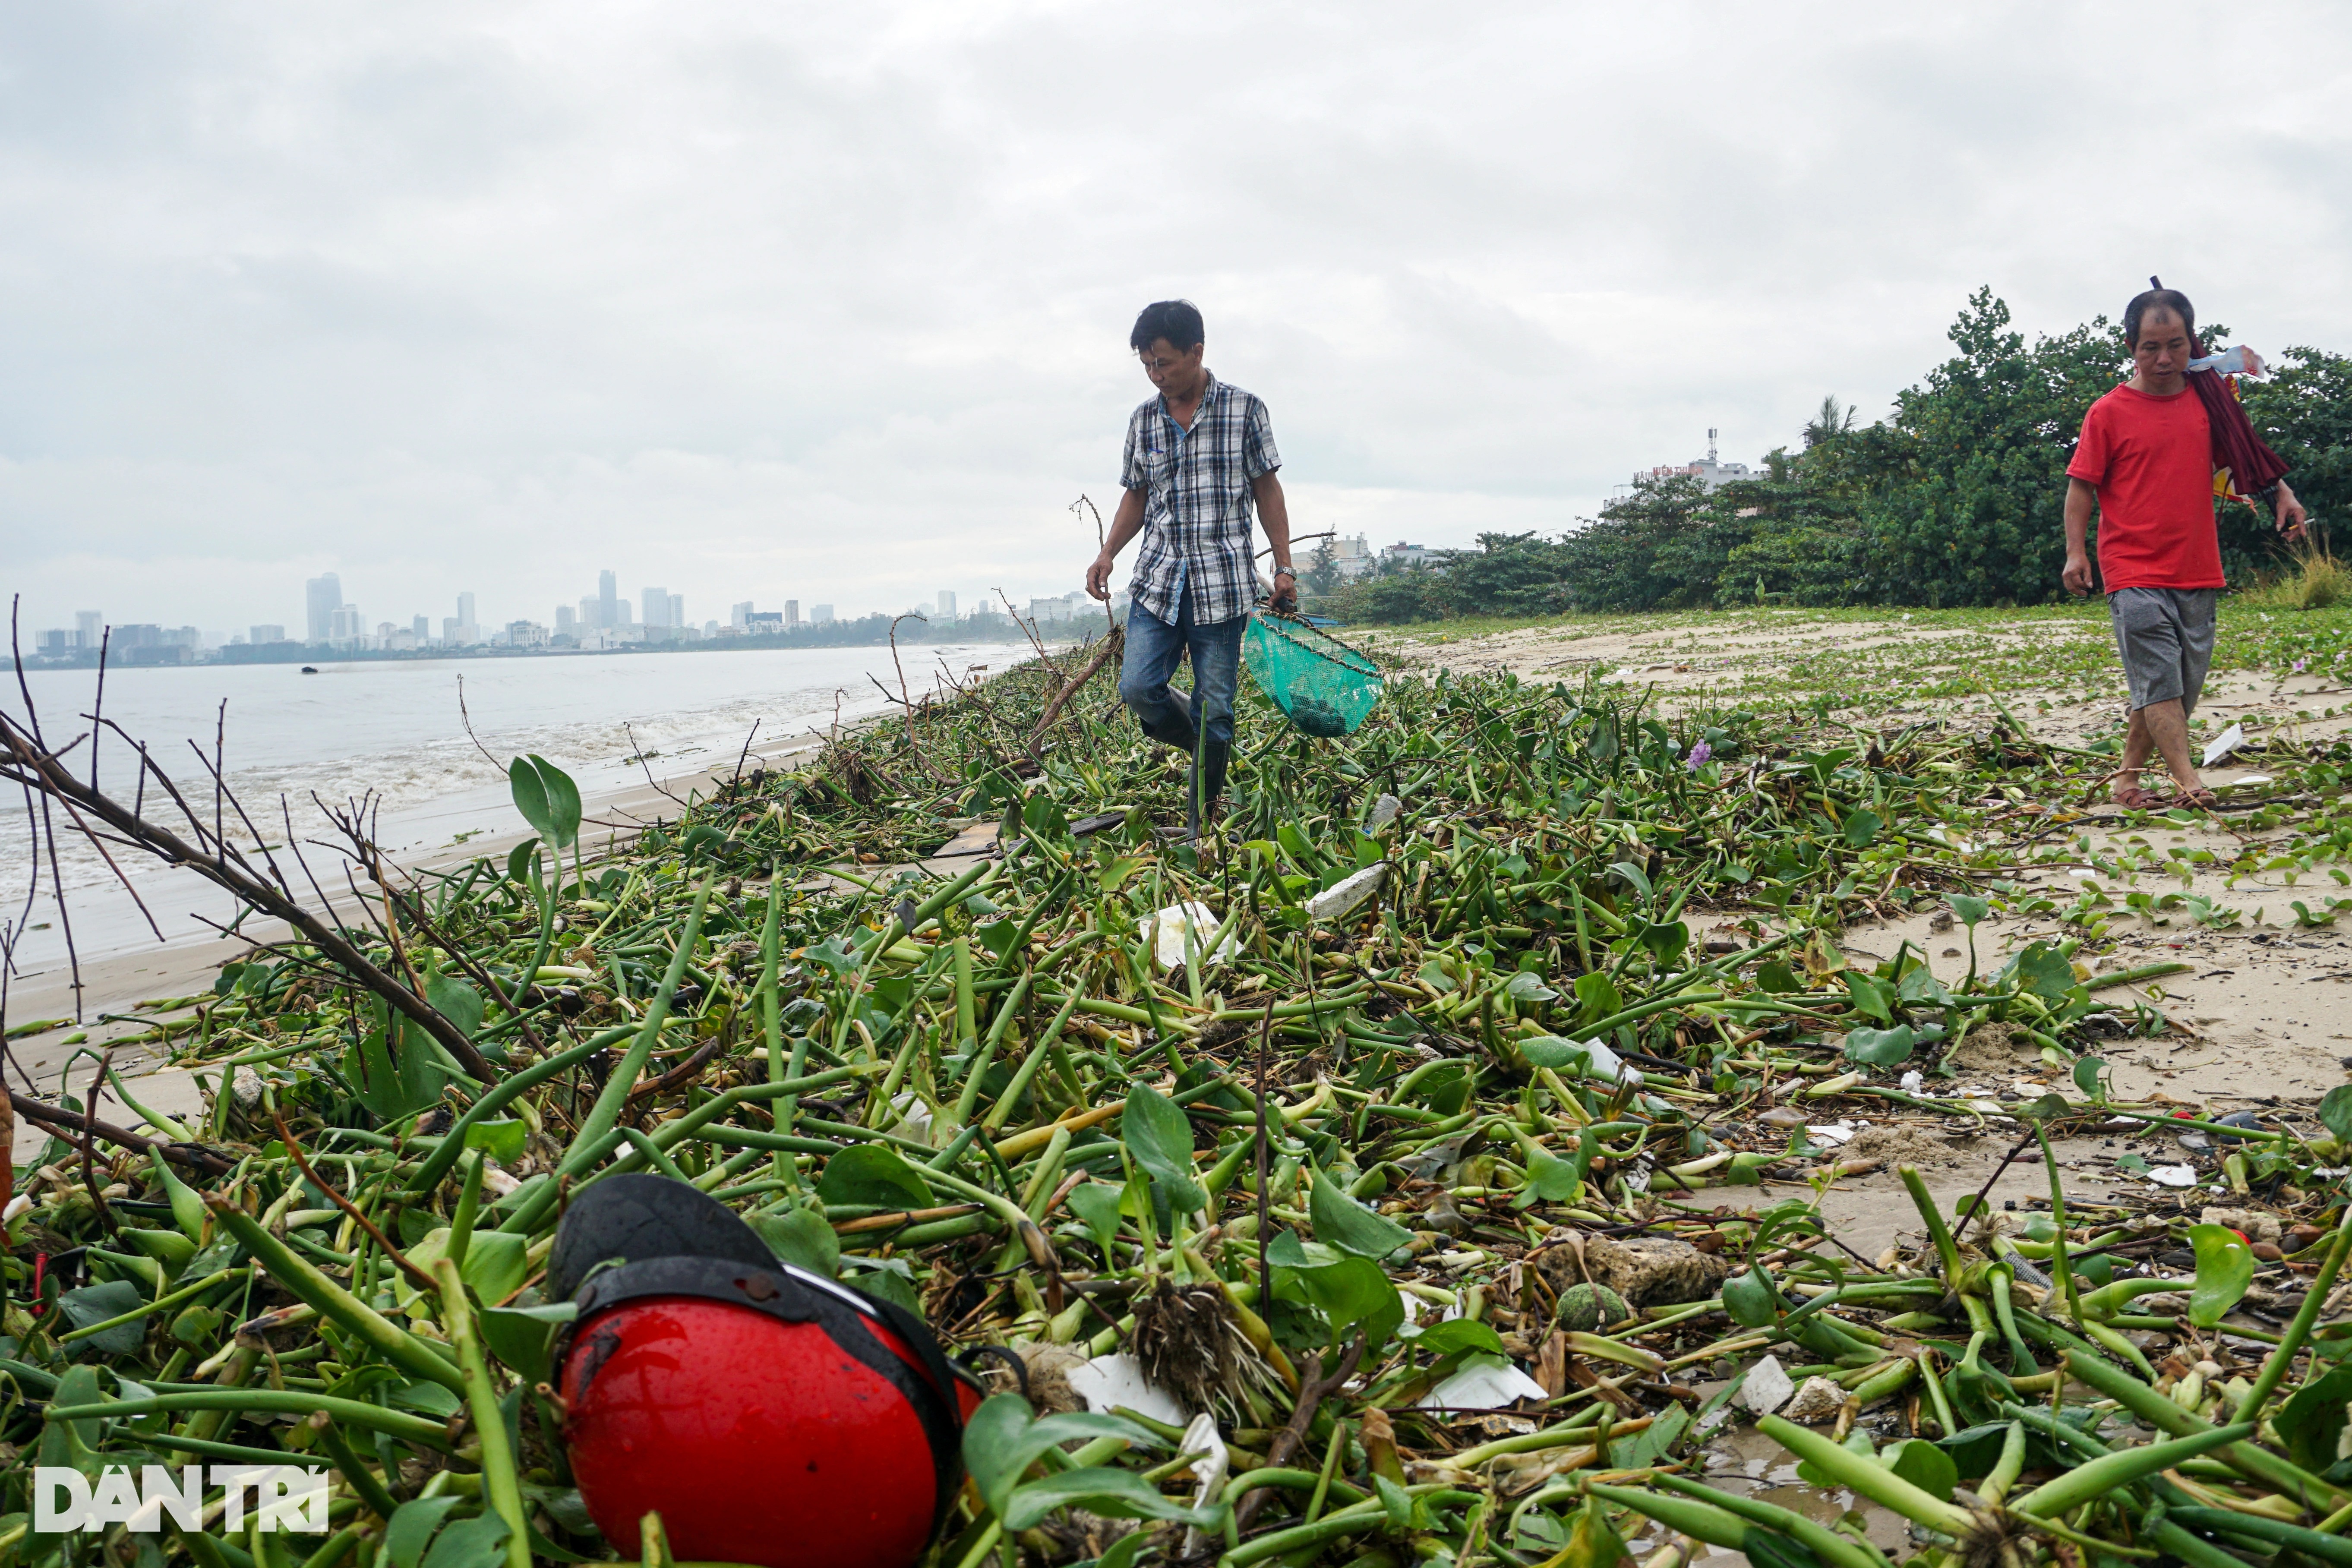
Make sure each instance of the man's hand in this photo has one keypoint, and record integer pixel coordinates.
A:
(1283, 600)
(2291, 516)
(1098, 577)
(2077, 575)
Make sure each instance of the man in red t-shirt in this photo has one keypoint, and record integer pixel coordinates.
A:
(2146, 459)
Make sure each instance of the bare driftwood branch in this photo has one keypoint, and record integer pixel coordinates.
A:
(23, 760)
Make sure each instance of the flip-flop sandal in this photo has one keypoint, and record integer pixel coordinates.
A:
(2138, 799)
(2200, 799)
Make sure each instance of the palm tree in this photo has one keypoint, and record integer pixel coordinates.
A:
(1834, 419)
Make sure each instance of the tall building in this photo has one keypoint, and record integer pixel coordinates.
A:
(89, 629)
(740, 615)
(591, 610)
(792, 612)
(608, 599)
(564, 625)
(323, 596)
(947, 605)
(676, 611)
(469, 630)
(347, 628)
(449, 631)
(656, 606)
(819, 615)
(260, 635)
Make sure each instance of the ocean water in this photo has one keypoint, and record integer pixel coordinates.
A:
(393, 734)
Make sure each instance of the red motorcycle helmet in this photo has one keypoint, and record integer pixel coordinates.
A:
(769, 1415)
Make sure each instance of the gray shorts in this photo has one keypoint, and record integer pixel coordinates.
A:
(2166, 636)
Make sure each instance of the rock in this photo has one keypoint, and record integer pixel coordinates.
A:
(1767, 1387)
(2252, 1223)
(1818, 1401)
(1654, 1270)
(1783, 1117)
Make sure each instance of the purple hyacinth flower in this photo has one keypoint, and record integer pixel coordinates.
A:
(1699, 756)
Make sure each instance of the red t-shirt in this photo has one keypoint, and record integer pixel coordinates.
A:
(2152, 460)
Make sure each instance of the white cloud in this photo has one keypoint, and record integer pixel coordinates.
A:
(830, 302)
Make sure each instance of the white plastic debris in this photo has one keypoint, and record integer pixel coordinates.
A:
(1201, 1437)
(2252, 781)
(1914, 1081)
(1831, 1133)
(1334, 902)
(1606, 1066)
(2223, 744)
(913, 1115)
(1384, 811)
(2173, 1176)
(1487, 1382)
(1767, 1387)
(17, 1205)
(1118, 1379)
(1181, 926)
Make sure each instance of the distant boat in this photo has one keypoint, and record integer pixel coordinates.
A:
(309, 669)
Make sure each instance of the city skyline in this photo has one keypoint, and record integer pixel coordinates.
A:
(604, 620)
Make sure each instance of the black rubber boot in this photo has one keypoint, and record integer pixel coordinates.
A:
(1181, 701)
(1212, 775)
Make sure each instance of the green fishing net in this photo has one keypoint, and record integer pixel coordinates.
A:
(1324, 686)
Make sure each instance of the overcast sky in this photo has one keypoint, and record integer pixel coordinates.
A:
(830, 301)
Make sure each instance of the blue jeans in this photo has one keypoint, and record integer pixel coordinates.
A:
(1165, 714)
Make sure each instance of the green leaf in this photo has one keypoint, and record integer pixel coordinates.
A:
(456, 1001)
(2225, 1267)
(1001, 1440)
(1665, 940)
(2312, 1421)
(547, 798)
(1924, 1466)
(522, 1337)
(872, 1173)
(477, 1542)
(2335, 1112)
(1341, 1222)
(802, 1239)
(1600, 995)
(502, 1141)
(1159, 1135)
(1553, 1180)
(412, 1526)
(1096, 1203)
(1594, 1541)
(1350, 1292)
(496, 1264)
(1862, 828)
(1395, 1500)
(1526, 987)
(2043, 969)
(1751, 1299)
(1880, 1047)
(2086, 1078)
(518, 860)
(95, 1304)
(1778, 978)
(1459, 1334)
(1121, 1494)
(1968, 911)
(1871, 998)
(1634, 876)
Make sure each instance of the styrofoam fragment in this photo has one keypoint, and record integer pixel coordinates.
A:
(1334, 902)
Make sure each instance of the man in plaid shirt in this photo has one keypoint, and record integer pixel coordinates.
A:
(1199, 456)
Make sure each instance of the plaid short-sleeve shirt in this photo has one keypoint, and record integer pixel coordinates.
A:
(1197, 503)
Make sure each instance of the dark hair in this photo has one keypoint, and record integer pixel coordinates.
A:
(2172, 302)
(1178, 320)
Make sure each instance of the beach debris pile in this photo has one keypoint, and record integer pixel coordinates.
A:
(1426, 1168)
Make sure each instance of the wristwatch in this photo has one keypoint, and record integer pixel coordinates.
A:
(1285, 571)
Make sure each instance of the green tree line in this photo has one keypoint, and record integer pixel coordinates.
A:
(1957, 499)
